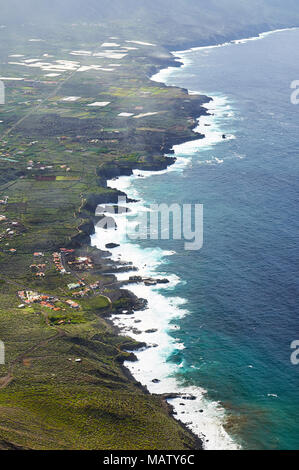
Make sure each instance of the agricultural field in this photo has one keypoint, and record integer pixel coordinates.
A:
(77, 108)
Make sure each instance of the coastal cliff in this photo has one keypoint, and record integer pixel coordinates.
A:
(64, 359)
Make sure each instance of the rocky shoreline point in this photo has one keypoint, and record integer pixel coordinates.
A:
(96, 204)
(58, 163)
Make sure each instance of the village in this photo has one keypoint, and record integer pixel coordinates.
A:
(48, 301)
(65, 258)
(62, 260)
(86, 110)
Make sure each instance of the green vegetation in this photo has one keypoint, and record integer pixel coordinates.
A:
(95, 304)
(63, 385)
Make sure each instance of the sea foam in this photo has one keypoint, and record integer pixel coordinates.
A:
(156, 325)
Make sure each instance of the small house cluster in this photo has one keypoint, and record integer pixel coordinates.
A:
(57, 258)
(72, 304)
(41, 167)
(82, 263)
(9, 228)
(38, 166)
(48, 301)
(38, 269)
(74, 286)
(30, 297)
(82, 293)
(66, 252)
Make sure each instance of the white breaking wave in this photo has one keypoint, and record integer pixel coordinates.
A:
(236, 41)
(153, 326)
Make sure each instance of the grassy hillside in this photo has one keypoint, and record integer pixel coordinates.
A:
(63, 385)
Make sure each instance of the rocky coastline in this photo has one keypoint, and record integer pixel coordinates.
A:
(56, 188)
(95, 201)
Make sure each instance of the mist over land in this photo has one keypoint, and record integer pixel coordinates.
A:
(81, 109)
(177, 21)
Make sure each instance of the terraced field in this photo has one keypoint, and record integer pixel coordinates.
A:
(63, 385)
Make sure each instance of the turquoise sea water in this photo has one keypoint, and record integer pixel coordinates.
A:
(241, 288)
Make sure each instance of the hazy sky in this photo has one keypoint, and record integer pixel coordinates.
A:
(180, 10)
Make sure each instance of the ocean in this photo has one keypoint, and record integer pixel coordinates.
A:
(221, 330)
